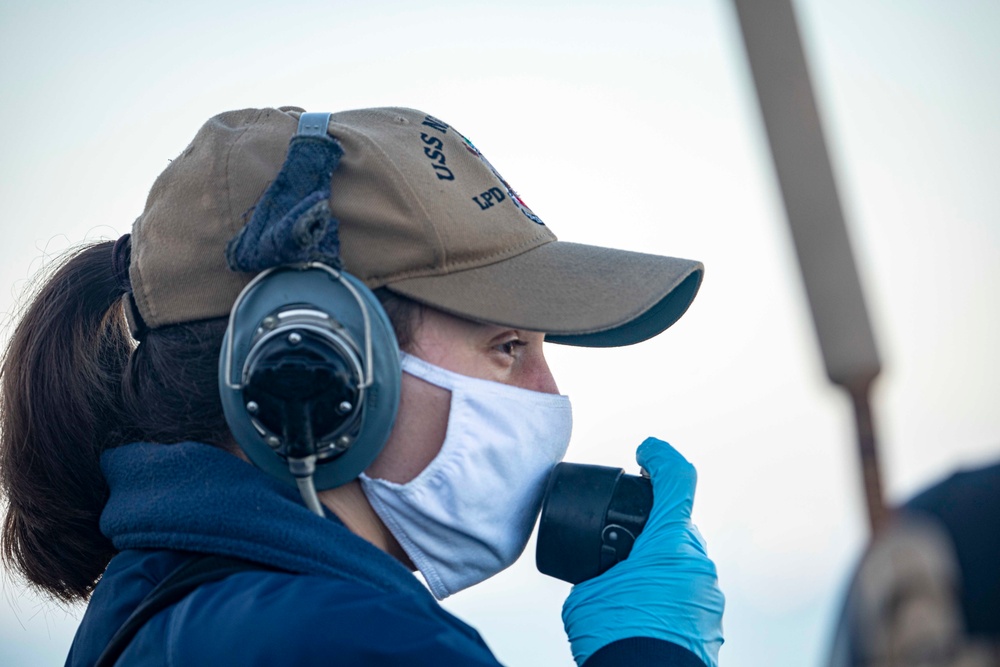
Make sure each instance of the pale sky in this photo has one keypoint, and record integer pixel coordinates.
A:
(635, 127)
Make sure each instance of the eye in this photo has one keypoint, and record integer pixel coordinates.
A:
(511, 347)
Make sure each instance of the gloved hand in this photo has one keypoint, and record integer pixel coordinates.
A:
(667, 587)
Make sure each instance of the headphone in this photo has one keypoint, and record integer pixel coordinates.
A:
(309, 372)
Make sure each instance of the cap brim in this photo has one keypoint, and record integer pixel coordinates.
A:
(577, 294)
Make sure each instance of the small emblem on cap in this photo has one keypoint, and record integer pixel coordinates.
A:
(490, 197)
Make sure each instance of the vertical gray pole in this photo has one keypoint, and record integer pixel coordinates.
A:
(826, 262)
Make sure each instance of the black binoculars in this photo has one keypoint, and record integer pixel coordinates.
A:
(590, 518)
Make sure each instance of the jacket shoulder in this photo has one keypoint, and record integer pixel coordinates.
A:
(267, 618)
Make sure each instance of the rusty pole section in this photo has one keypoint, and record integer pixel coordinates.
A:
(802, 164)
(867, 449)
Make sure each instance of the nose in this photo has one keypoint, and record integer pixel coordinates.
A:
(539, 375)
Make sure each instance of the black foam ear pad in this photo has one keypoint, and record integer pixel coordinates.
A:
(359, 336)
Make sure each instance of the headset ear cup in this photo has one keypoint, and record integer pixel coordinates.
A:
(347, 301)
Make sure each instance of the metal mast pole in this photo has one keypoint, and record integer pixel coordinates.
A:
(826, 262)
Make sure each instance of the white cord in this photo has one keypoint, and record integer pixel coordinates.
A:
(308, 491)
(302, 470)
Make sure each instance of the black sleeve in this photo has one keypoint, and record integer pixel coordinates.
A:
(643, 651)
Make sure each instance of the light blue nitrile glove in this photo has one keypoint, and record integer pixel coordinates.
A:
(667, 588)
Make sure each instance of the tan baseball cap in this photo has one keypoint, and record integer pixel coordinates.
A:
(421, 213)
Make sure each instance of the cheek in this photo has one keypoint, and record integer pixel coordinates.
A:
(418, 433)
(456, 355)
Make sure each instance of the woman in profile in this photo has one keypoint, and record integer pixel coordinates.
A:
(125, 470)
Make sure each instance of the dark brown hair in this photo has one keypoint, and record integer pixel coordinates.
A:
(72, 384)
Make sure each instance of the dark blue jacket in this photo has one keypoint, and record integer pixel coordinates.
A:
(339, 600)
(347, 603)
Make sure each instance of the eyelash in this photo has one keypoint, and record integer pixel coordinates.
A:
(509, 346)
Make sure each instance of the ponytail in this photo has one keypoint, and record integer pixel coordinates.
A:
(60, 407)
(72, 384)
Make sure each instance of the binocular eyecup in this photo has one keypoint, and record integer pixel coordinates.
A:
(591, 516)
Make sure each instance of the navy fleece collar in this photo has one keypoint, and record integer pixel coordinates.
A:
(194, 497)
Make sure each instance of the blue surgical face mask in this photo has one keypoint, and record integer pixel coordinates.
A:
(469, 513)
